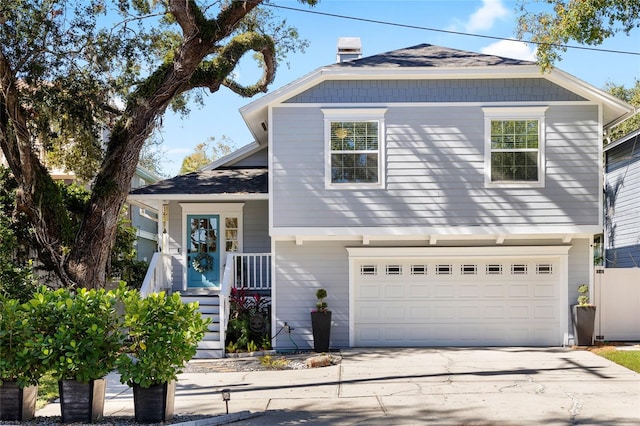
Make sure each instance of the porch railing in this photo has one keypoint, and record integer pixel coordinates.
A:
(251, 271)
(156, 278)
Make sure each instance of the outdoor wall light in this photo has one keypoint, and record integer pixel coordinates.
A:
(226, 396)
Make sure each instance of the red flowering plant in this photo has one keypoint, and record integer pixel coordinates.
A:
(248, 328)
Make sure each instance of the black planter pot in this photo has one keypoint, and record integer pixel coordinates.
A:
(155, 403)
(321, 327)
(17, 404)
(82, 402)
(584, 318)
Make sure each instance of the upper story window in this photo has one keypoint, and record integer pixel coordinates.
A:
(354, 148)
(514, 147)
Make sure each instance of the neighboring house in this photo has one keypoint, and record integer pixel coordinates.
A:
(442, 197)
(144, 218)
(622, 202)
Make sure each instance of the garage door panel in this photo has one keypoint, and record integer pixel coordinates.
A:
(518, 291)
(458, 302)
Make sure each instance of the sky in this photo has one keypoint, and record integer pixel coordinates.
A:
(494, 18)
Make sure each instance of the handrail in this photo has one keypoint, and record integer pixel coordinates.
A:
(154, 277)
(225, 291)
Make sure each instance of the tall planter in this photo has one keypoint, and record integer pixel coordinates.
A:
(584, 324)
(155, 403)
(16, 403)
(82, 402)
(321, 327)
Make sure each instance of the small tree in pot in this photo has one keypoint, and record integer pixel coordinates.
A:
(163, 335)
(321, 323)
(584, 316)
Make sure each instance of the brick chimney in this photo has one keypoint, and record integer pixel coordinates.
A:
(349, 48)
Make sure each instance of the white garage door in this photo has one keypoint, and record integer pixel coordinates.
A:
(497, 301)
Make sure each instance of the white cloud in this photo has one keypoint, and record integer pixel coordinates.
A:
(510, 49)
(484, 18)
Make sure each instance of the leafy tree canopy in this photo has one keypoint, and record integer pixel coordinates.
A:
(584, 21)
(632, 96)
(86, 82)
(206, 152)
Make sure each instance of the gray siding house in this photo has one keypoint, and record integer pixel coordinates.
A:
(622, 202)
(442, 197)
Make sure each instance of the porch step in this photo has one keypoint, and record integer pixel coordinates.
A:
(209, 305)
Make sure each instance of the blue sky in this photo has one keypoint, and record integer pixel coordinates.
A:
(497, 18)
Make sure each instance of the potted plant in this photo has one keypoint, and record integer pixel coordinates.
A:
(163, 335)
(584, 316)
(321, 323)
(21, 366)
(81, 347)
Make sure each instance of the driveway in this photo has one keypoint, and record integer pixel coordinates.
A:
(443, 386)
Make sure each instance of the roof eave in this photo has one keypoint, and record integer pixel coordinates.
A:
(196, 197)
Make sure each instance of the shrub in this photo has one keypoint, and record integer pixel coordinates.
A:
(163, 335)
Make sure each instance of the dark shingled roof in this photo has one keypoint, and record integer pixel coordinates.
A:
(427, 55)
(218, 181)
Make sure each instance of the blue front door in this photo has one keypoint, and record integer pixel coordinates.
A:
(203, 251)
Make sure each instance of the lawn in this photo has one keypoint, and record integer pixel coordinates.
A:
(628, 359)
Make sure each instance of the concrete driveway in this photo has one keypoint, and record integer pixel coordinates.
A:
(450, 386)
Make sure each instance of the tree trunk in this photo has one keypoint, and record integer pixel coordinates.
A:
(81, 259)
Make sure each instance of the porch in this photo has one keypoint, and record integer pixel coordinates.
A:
(248, 271)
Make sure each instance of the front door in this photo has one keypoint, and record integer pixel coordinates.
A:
(203, 251)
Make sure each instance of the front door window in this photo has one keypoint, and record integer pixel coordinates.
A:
(203, 252)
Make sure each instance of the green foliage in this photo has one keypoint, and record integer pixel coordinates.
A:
(89, 81)
(321, 305)
(201, 156)
(16, 273)
(163, 335)
(583, 298)
(587, 22)
(21, 337)
(273, 363)
(241, 337)
(632, 96)
(84, 334)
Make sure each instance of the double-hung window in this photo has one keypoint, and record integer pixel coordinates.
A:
(514, 147)
(354, 148)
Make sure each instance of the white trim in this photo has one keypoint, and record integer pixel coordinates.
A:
(359, 115)
(388, 105)
(511, 113)
(235, 156)
(524, 252)
(456, 252)
(223, 211)
(436, 233)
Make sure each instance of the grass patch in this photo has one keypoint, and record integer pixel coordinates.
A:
(47, 391)
(628, 359)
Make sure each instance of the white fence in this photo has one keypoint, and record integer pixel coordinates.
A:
(617, 297)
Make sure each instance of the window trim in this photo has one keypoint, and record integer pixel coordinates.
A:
(355, 114)
(515, 113)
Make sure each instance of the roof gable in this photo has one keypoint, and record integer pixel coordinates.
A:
(426, 62)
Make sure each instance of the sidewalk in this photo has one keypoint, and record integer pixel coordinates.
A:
(515, 386)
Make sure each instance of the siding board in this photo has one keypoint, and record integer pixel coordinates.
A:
(435, 170)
